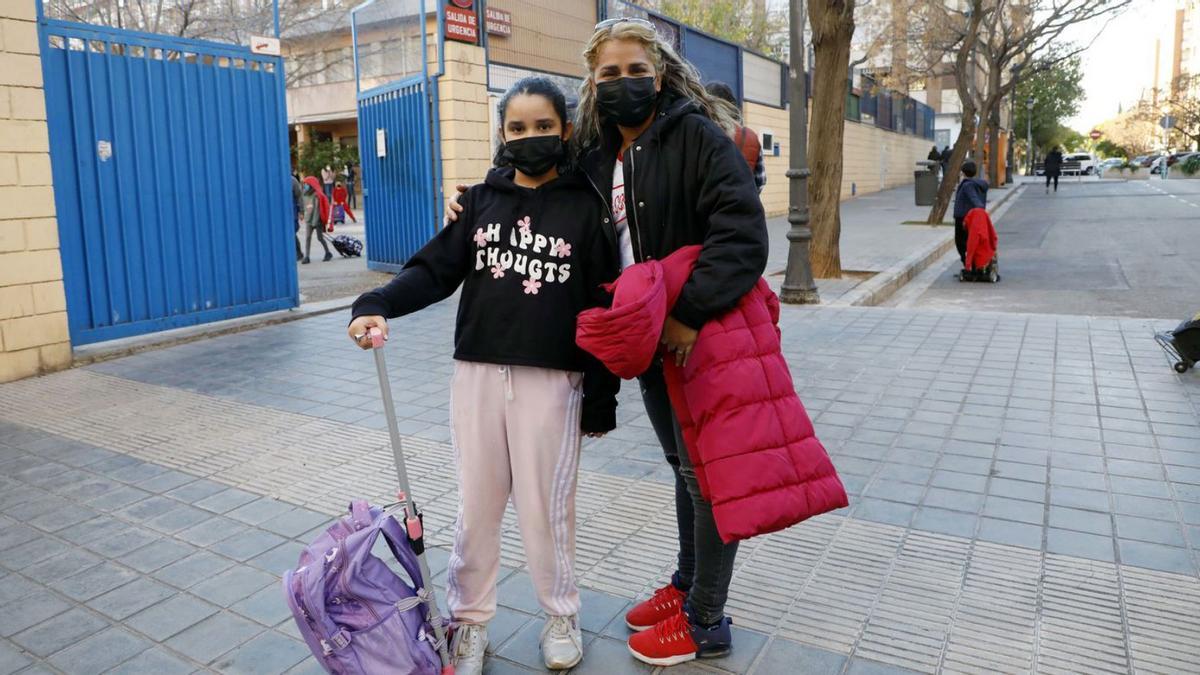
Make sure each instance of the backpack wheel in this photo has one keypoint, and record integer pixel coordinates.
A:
(1181, 367)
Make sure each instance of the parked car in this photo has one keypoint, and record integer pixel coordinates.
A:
(1087, 163)
(1111, 163)
(1178, 157)
(1148, 160)
(1156, 165)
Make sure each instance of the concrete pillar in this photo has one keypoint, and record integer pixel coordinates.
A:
(33, 309)
(463, 114)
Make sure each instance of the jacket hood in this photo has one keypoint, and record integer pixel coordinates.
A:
(322, 200)
(503, 179)
(671, 108)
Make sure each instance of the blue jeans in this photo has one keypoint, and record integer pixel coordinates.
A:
(705, 562)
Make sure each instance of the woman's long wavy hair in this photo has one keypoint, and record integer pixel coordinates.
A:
(677, 75)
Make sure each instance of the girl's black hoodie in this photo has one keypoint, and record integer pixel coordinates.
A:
(529, 262)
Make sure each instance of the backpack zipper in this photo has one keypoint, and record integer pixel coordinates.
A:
(345, 584)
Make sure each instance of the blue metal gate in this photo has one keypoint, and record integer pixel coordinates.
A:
(170, 166)
(397, 134)
(398, 183)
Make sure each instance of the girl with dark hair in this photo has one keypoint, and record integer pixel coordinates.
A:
(531, 251)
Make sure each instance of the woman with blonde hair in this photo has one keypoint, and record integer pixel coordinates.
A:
(656, 146)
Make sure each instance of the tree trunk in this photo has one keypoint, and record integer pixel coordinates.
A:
(995, 175)
(962, 145)
(832, 24)
(967, 133)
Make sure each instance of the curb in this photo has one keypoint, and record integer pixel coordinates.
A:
(115, 349)
(879, 288)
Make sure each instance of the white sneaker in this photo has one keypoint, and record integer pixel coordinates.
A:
(468, 648)
(562, 642)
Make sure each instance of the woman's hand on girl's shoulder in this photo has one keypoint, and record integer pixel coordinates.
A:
(360, 329)
(453, 208)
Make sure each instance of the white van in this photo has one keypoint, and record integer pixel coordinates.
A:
(1087, 163)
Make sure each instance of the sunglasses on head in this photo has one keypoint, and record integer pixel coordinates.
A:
(609, 23)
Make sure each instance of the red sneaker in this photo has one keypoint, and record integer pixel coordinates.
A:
(668, 643)
(677, 640)
(665, 603)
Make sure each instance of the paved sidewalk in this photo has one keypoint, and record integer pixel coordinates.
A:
(1025, 495)
(874, 238)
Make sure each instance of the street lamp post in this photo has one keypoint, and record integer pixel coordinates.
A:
(1029, 133)
(1012, 119)
(798, 285)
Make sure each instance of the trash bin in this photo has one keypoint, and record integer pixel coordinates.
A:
(925, 182)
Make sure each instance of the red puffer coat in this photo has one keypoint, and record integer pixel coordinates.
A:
(756, 456)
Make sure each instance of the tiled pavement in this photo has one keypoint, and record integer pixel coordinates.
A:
(1025, 496)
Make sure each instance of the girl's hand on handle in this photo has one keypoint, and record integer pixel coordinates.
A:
(360, 330)
(453, 208)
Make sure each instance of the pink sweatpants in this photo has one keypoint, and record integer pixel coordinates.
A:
(515, 432)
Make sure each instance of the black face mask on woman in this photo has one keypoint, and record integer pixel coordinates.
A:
(533, 155)
(626, 100)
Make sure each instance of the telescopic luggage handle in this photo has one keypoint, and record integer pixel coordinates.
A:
(412, 517)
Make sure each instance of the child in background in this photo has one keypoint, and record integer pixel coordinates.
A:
(341, 204)
(531, 251)
(971, 194)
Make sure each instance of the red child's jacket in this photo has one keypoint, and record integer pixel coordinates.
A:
(981, 239)
(340, 197)
(757, 458)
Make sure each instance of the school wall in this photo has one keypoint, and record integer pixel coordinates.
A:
(33, 316)
(763, 118)
(873, 159)
(547, 35)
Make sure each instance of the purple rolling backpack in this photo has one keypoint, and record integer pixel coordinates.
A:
(355, 613)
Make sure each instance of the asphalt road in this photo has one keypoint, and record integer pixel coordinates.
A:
(1100, 248)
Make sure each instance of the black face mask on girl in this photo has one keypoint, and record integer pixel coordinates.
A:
(534, 155)
(626, 100)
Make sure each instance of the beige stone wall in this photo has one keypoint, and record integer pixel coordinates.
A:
(33, 316)
(874, 159)
(547, 35)
(762, 118)
(463, 114)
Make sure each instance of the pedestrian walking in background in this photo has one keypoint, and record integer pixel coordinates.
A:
(945, 158)
(935, 155)
(743, 137)
(341, 208)
(351, 178)
(297, 211)
(531, 250)
(971, 194)
(316, 217)
(1053, 168)
(327, 178)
